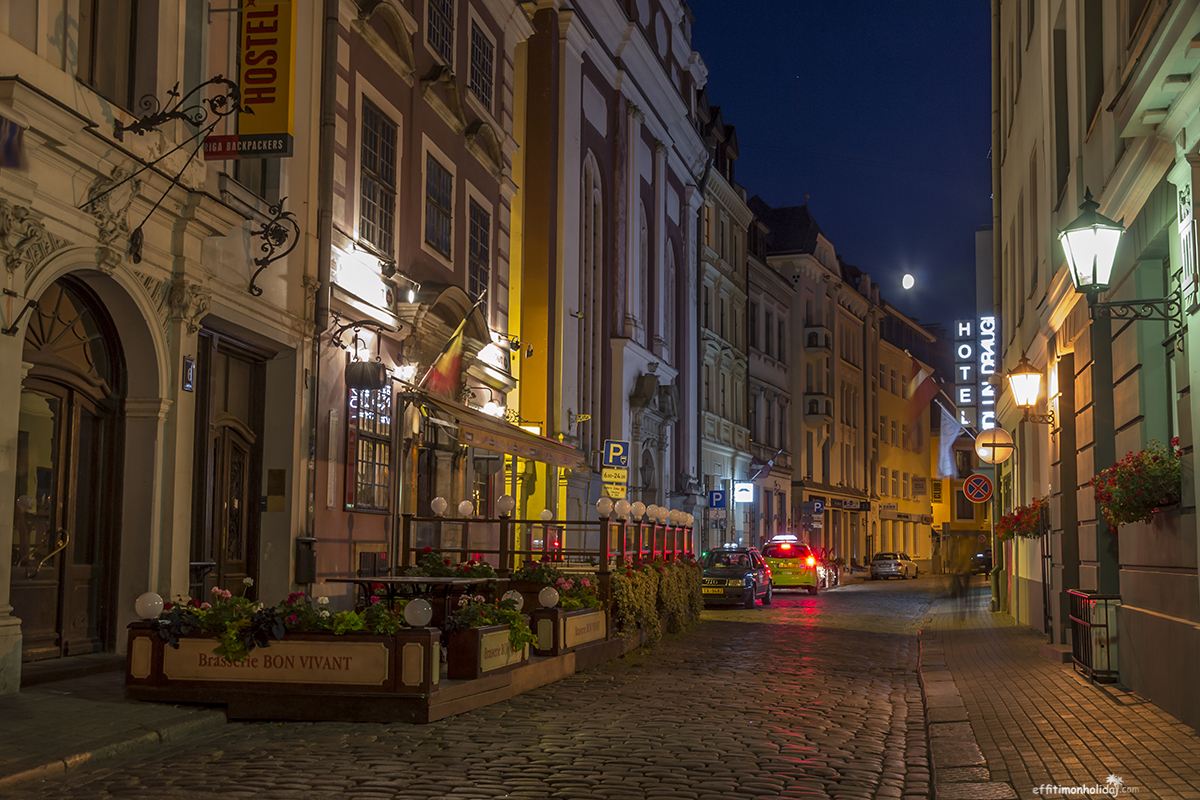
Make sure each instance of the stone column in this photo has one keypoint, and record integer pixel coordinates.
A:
(1099, 562)
(660, 311)
(12, 376)
(146, 563)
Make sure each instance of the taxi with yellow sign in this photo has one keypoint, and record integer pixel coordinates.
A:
(792, 562)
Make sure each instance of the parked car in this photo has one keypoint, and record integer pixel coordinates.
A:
(792, 563)
(893, 565)
(981, 563)
(735, 575)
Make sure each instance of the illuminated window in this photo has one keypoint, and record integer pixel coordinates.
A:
(369, 448)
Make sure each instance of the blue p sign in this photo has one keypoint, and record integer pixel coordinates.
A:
(616, 453)
(716, 499)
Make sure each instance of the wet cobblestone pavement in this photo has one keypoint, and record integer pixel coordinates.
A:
(812, 697)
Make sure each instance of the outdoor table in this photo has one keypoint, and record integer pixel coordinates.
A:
(407, 585)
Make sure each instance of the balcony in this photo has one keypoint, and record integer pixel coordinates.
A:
(818, 408)
(818, 341)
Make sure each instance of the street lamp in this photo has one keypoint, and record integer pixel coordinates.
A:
(1026, 384)
(1090, 246)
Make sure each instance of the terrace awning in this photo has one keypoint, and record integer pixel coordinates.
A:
(476, 429)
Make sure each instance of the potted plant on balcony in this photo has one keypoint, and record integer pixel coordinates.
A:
(577, 619)
(1139, 485)
(1023, 521)
(485, 637)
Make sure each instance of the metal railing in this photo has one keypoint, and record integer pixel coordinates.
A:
(602, 543)
(1093, 635)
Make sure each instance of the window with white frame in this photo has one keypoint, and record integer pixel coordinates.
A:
(439, 191)
(440, 29)
(483, 59)
(369, 448)
(883, 481)
(377, 207)
(478, 250)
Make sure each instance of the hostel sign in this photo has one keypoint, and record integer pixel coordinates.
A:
(975, 346)
(266, 78)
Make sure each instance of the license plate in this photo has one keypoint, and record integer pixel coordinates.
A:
(714, 590)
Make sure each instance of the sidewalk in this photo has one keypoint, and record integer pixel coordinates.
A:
(59, 726)
(1004, 721)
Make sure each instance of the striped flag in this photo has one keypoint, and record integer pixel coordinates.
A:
(921, 390)
(445, 373)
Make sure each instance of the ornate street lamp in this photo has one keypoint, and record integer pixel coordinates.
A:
(1090, 245)
(1026, 384)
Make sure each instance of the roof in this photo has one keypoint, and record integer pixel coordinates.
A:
(792, 228)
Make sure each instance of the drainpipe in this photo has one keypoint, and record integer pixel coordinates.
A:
(997, 282)
(305, 555)
(701, 186)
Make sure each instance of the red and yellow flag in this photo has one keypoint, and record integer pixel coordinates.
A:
(445, 373)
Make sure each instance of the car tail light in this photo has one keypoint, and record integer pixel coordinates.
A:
(785, 546)
(812, 562)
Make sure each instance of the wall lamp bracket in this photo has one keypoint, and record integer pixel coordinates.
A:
(1167, 309)
(1044, 419)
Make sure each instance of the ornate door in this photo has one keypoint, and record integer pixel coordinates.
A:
(64, 526)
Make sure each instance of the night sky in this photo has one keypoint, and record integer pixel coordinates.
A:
(880, 112)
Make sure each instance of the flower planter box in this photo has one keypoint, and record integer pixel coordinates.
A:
(529, 591)
(285, 680)
(482, 651)
(561, 631)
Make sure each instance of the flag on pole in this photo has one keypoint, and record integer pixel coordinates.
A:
(445, 373)
(951, 429)
(921, 391)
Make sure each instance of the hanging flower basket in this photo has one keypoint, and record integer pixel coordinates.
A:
(1027, 522)
(1140, 484)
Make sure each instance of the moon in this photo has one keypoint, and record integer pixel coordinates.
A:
(908, 281)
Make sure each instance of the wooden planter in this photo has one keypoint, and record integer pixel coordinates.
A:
(476, 652)
(561, 631)
(529, 591)
(313, 676)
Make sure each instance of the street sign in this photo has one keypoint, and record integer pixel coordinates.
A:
(814, 508)
(614, 475)
(919, 486)
(927, 519)
(888, 506)
(616, 453)
(983, 538)
(743, 492)
(716, 498)
(978, 488)
(614, 490)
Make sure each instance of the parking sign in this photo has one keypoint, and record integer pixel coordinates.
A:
(716, 499)
(616, 453)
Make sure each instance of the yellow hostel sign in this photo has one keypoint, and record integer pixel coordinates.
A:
(267, 79)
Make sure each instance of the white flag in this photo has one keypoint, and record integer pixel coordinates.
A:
(951, 430)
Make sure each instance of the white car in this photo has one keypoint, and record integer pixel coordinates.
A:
(893, 565)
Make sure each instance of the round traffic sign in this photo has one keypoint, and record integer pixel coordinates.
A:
(978, 488)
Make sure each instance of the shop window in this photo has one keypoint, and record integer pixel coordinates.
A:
(368, 449)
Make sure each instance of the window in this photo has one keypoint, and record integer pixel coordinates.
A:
(882, 377)
(904, 485)
(770, 319)
(707, 225)
(882, 425)
(479, 251)
(754, 325)
(708, 308)
(895, 388)
(723, 411)
(964, 509)
(439, 185)
(904, 435)
(377, 211)
(722, 331)
(780, 347)
(895, 434)
(440, 32)
(753, 416)
(783, 442)
(895, 483)
(962, 463)
(118, 44)
(770, 429)
(883, 481)
(482, 66)
(369, 448)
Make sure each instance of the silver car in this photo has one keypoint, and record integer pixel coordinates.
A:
(892, 565)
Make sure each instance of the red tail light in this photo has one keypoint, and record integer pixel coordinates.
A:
(785, 546)
(812, 562)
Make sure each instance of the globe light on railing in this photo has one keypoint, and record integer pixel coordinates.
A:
(652, 513)
(994, 445)
(466, 508)
(622, 508)
(548, 596)
(1090, 245)
(1026, 384)
(637, 511)
(505, 504)
(663, 514)
(516, 597)
(438, 504)
(547, 515)
(148, 605)
(675, 516)
(418, 612)
(691, 519)
(604, 506)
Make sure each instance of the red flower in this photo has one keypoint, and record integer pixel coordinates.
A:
(426, 550)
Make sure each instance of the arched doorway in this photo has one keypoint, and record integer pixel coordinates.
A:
(69, 459)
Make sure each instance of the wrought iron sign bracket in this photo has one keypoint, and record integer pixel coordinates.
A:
(336, 337)
(11, 330)
(275, 234)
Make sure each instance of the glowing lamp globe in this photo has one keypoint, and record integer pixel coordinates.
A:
(148, 605)
(1090, 245)
(638, 510)
(993, 446)
(622, 508)
(1026, 383)
(505, 504)
(516, 597)
(418, 612)
(547, 515)
(466, 508)
(438, 504)
(548, 596)
(604, 506)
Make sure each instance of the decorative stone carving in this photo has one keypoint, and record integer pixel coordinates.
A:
(109, 198)
(24, 240)
(188, 302)
(158, 290)
(311, 287)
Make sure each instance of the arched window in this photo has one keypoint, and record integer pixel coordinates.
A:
(591, 267)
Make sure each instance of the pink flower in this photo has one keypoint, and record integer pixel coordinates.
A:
(374, 599)
(205, 606)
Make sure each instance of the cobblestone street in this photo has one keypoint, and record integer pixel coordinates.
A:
(812, 697)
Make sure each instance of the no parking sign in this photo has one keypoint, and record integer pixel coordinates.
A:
(978, 488)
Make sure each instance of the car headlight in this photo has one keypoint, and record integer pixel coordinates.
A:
(748, 580)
